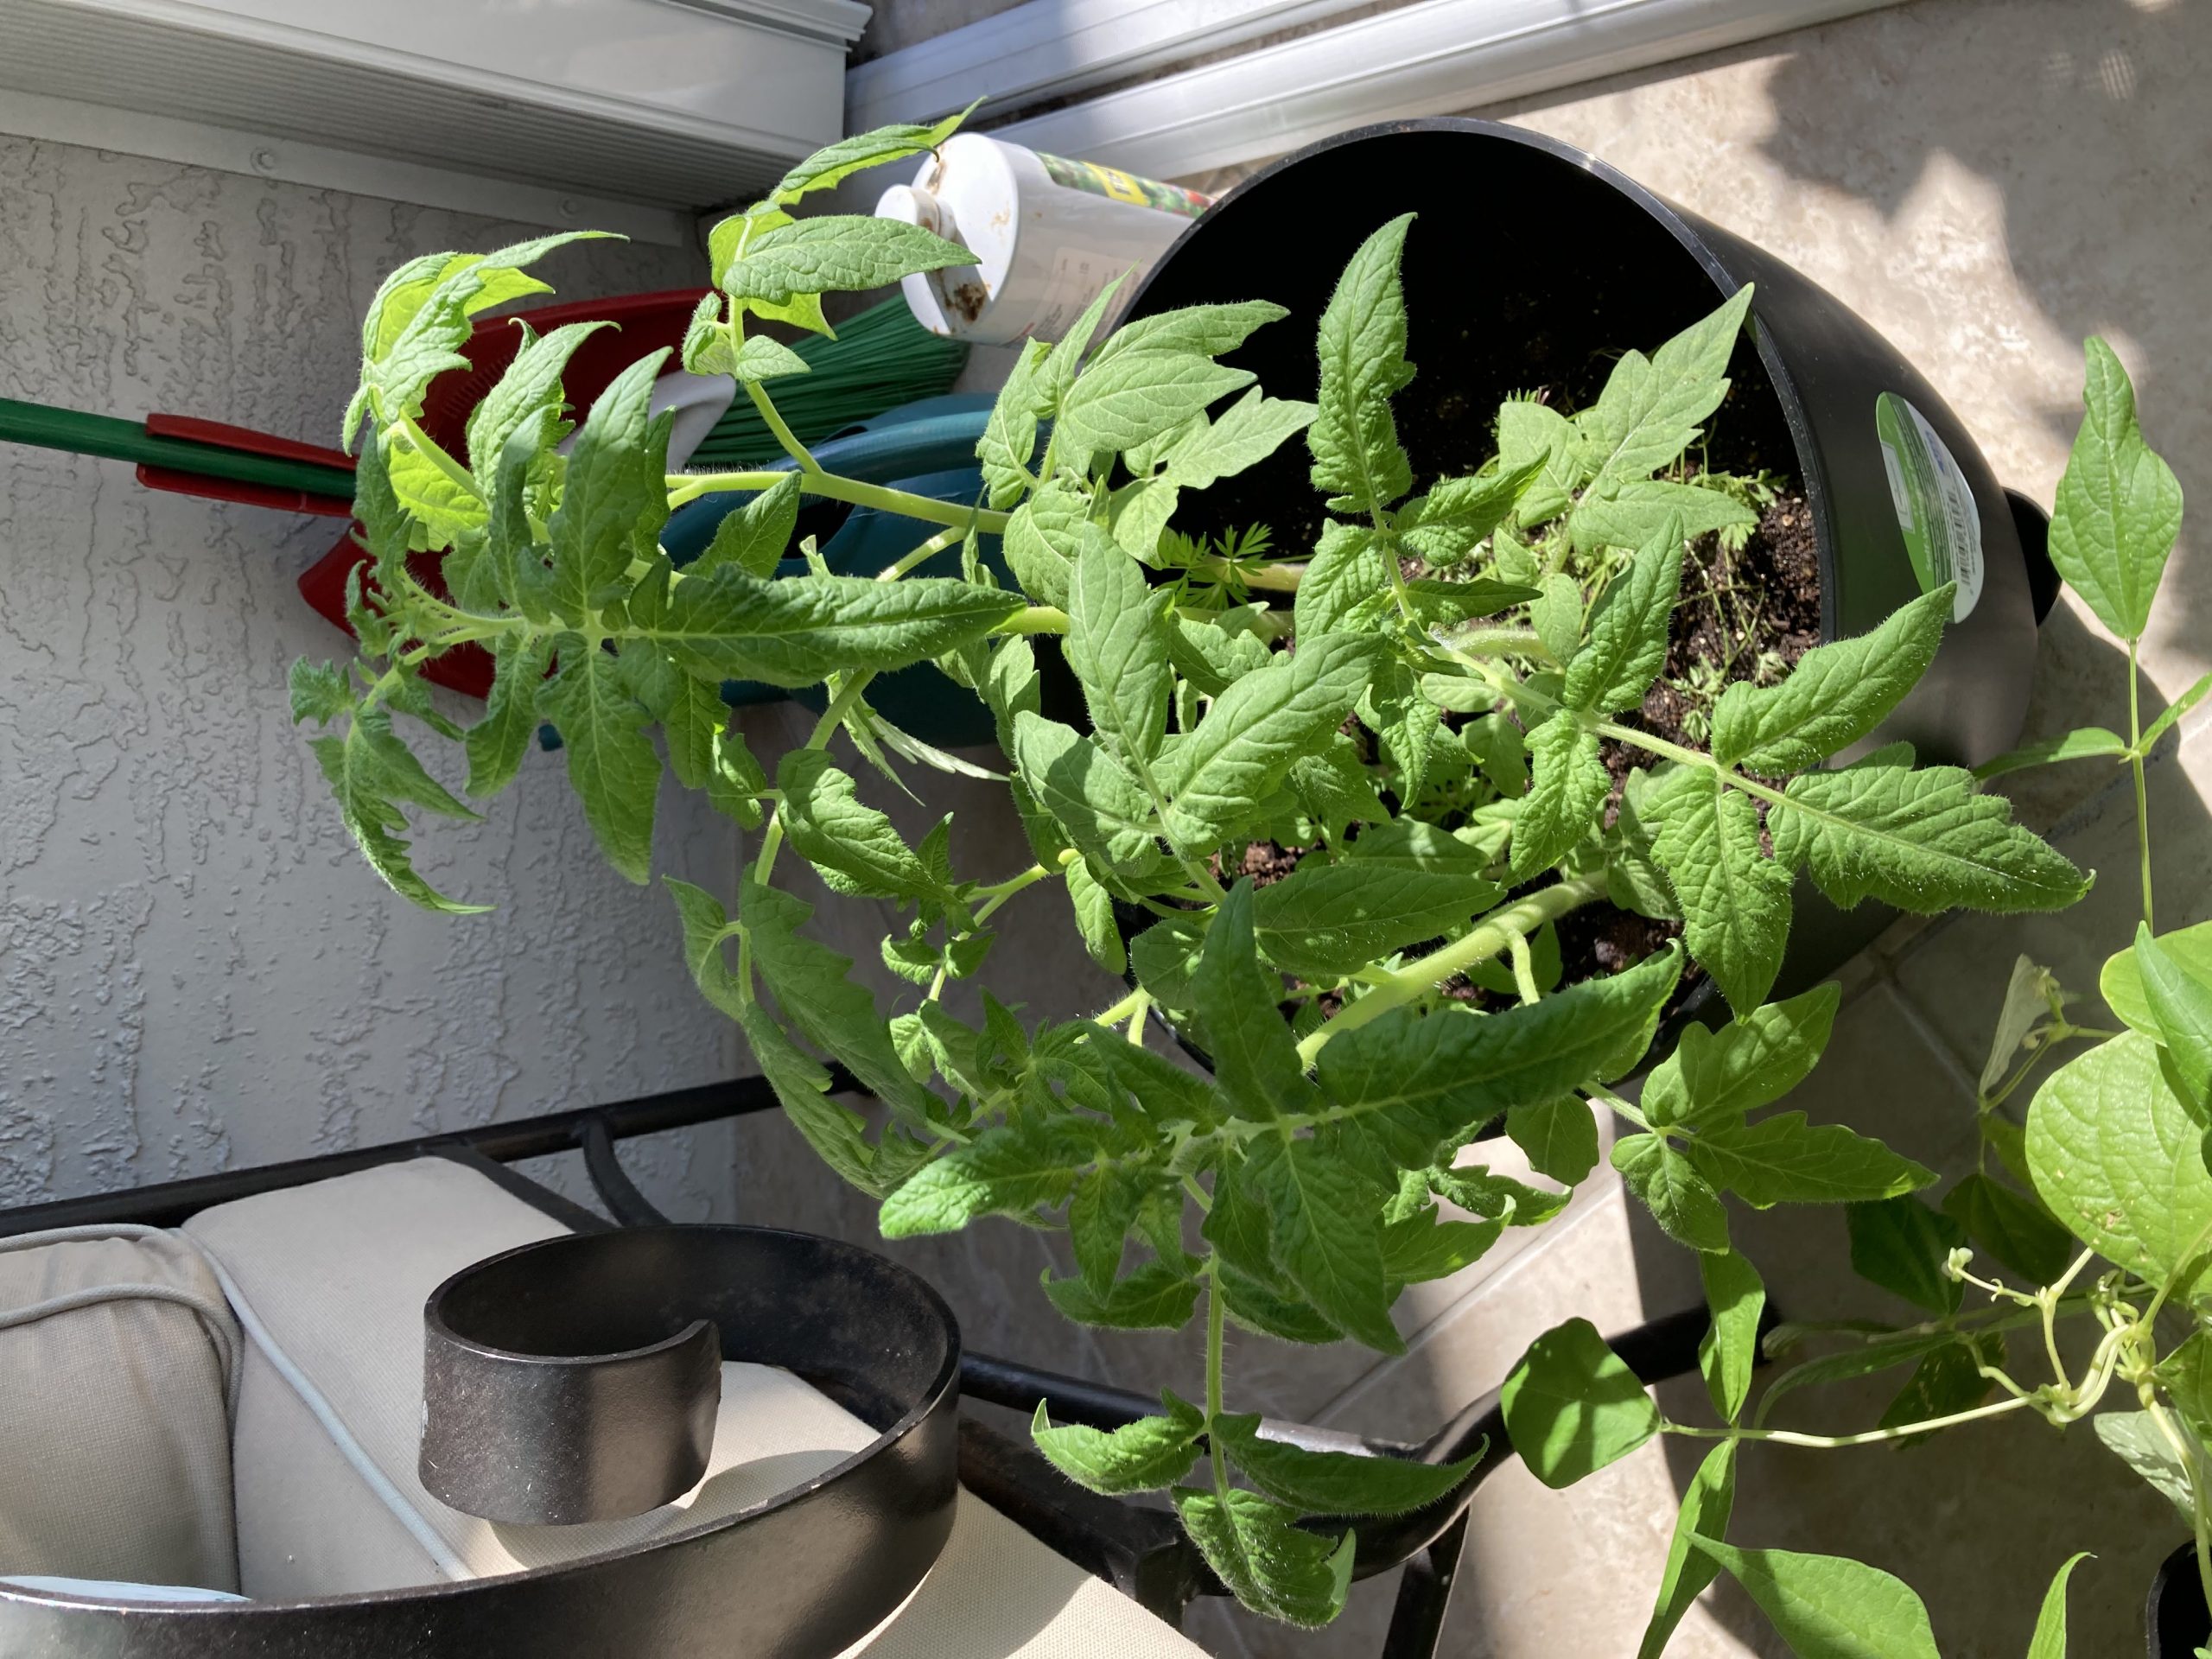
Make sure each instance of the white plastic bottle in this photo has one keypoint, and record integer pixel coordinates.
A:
(1047, 235)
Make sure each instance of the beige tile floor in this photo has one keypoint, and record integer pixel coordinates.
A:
(1984, 180)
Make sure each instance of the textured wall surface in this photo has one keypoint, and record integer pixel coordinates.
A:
(196, 969)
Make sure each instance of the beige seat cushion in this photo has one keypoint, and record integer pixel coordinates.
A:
(115, 1358)
(329, 1281)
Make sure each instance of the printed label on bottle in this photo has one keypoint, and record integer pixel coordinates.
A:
(1934, 504)
(1076, 278)
(1117, 186)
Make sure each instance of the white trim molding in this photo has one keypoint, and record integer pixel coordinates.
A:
(1050, 48)
(657, 105)
(1428, 58)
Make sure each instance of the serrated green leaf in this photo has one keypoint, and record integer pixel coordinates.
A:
(1640, 508)
(1008, 442)
(834, 253)
(1267, 1563)
(1532, 434)
(370, 770)
(2118, 505)
(612, 765)
(1042, 539)
(1396, 886)
(1627, 643)
(1734, 900)
(753, 536)
(1100, 1215)
(1013, 1171)
(1254, 1060)
(1245, 745)
(1704, 1513)
(1920, 840)
(811, 983)
(1324, 1221)
(1438, 1077)
(1455, 516)
(1556, 615)
(1730, 1348)
(834, 164)
(736, 781)
(614, 494)
(445, 510)
(2114, 1154)
(1568, 785)
(1155, 1296)
(1358, 460)
(1241, 436)
(1785, 1159)
(1345, 572)
(1105, 812)
(2089, 743)
(1145, 1456)
(1571, 1407)
(1093, 916)
(1335, 1483)
(1421, 1247)
(1558, 1135)
(1153, 375)
(2049, 1641)
(1827, 1607)
(1117, 645)
(856, 849)
(497, 743)
(1651, 407)
(528, 396)
(419, 319)
(1718, 1076)
(796, 630)
(1835, 694)
(1900, 1244)
(1681, 1199)
(319, 691)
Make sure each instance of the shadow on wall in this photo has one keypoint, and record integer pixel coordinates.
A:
(2084, 123)
(2036, 171)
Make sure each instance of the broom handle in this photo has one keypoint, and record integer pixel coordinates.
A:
(77, 432)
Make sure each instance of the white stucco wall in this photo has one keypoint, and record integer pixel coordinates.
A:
(196, 969)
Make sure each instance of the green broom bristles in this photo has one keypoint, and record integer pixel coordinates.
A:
(880, 359)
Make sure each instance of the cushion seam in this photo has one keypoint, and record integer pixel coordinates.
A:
(319, 1406)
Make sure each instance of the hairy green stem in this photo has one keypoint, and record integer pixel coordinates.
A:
(684, 487)
(1214, 1310)
(2135, 765)
(1494, 933)
(1871, 1437)
(950, 536)
(769, 413)
(1036, 619)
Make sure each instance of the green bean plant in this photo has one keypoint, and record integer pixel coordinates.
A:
(1424, 697)
(2095, 1212)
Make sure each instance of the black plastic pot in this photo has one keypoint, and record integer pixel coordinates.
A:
(2176, 1620)
(1532, 264)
